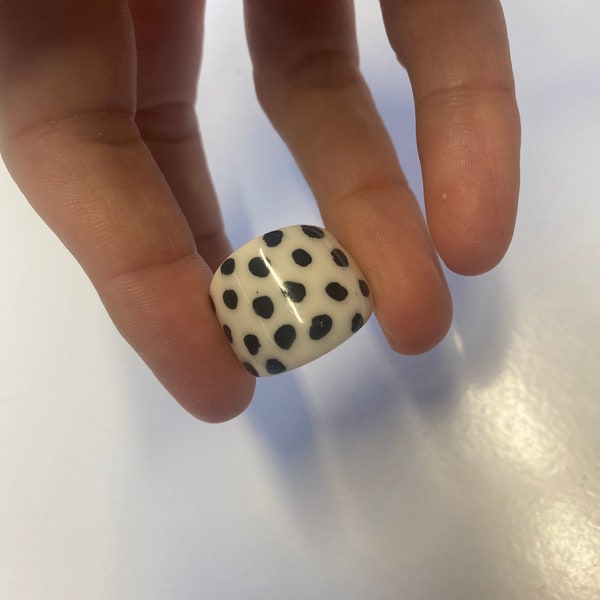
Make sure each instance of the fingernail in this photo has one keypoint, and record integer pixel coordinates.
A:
(288, 297)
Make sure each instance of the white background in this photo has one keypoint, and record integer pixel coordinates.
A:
(470, 472)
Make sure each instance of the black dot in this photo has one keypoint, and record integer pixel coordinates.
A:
(258, 266)
(228, 266)
(230, 298)
(285, 336)
(250, 369)
(301, 257)
(364, 288)
(312, 231)
(274, 366)
(212, 304)
(273, 238)
(252, 343)
(293, 290)
(227, 331)
(336, 291)
(263, 306)
(339, 257)
(357, 322)
(320, 327)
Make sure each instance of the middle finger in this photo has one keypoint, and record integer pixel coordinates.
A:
(169, 46)
(307, 79)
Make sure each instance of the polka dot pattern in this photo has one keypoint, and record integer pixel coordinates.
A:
(313, 232)
(258, 266)
(287, 297)
(357, 322)
(228, 267)
(252, 344)
(339, 258)
(250, 369)
(320, 326)
(263, 306)
(293, 290)
(275, 366)
(336, 291)
(364, 288)
(285, 336)
(230, 299)
(273, 238)
(301, 257)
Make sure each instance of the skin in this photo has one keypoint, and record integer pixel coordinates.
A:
(97, 127)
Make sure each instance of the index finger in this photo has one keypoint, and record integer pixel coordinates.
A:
(68, 136)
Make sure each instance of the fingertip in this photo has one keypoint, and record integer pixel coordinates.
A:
(387, 236)
(420, 318)
(208, 380)
(472, 228)
(471, 183)
(229, 398)
(472, 257)
(166, 315)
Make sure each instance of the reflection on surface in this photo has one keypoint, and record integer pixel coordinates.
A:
(518, 428)
(281, 285)
(518, 425)
(458, 343)
(568, 543)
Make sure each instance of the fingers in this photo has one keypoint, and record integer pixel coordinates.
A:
(169, 45)
(457, 57)
(68, 136)
(307, 80)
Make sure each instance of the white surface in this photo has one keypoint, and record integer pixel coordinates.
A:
(469, 472)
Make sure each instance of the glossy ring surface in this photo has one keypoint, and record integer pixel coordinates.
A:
(288, 297)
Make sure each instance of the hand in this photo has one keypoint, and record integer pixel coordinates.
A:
(103, 141)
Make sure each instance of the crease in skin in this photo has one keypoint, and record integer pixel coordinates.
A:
(168, 122)
(325, 69)
(107, 115)
(466, 92)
